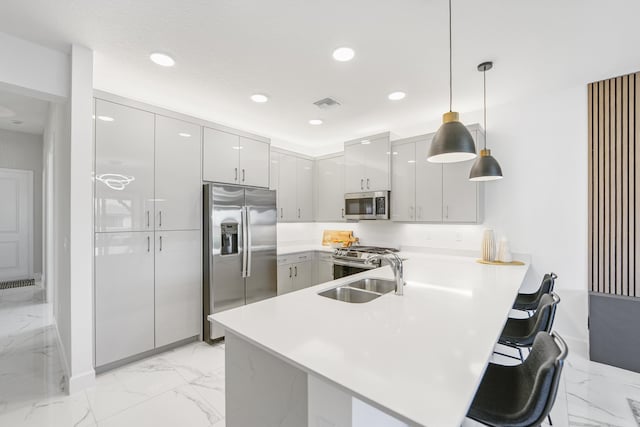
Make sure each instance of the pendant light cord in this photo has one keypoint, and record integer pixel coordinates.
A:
(450, 63)
(484, 75)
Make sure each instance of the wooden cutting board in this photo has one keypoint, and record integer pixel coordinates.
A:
(333, 236)
(481, 261)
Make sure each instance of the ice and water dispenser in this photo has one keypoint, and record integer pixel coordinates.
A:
(229, 238)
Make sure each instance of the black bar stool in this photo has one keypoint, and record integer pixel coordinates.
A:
(521, 395)
(519, 333)
(529, 302)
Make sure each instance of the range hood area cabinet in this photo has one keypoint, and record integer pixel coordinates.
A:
(430, 192)
(329, 188)
(368, 164)
(231, 158)
(148, 270)
(292, 178)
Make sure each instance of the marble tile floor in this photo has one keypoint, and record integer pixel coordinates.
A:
(185, 386)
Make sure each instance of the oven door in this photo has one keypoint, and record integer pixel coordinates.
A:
(343, 268)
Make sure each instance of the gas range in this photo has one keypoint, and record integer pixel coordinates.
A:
(356, 256)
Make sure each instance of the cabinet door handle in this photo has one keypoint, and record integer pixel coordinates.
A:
(410, 212)
(160, 225)
(446, 215)
(298, 212)
(236, 171)
(148, 219)
(148, 244)
(160, 243)
(242, 175)
(281, 213)
(362, 184)
(342, 212)
(419, 212)
(289, 272)
(296, 269)
(367, 183)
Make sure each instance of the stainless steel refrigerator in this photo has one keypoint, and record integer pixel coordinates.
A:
(240, 265)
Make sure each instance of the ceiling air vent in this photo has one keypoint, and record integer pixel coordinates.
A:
(327, 103)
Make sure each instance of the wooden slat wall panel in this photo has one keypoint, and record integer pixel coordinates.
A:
(614, 185)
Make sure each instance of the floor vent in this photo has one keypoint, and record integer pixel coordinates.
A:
(17, 283)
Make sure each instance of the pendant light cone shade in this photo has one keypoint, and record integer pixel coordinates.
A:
(453, 141)
(486, 167)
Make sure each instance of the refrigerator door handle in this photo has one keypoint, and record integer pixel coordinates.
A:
(249, 243)
(244, 241)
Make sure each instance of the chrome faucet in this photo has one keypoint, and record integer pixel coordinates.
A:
(396, 265)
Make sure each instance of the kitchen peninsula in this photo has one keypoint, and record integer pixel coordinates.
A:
(417, 359)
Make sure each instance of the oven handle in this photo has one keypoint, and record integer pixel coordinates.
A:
(355, 264)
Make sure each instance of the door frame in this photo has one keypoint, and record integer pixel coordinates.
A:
(29, 175)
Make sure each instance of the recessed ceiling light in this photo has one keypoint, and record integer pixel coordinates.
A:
(106, 118)
(315, 122)
(162, 59)
(184, 135)
(5, 112)
(260, 98)
(397, 96)
(365, 142)
(343, 54)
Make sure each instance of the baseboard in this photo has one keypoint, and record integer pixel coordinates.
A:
(82, 381)
(63, 354)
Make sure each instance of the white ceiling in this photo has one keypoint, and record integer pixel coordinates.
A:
(228, 49)
(31, 112)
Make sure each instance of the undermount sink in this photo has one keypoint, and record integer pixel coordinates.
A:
(380, 286)
(360, 291)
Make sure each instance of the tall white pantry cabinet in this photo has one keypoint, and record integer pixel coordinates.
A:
(148, 231)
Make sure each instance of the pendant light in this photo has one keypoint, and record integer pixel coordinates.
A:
(453, 141)
(486, 167)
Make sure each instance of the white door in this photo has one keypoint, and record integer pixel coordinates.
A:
(178, 286)
(221, 157)
(376, 161)
(178, 193)
(330, 184)
(16, 224)
(287, 189)
(354, 170)
(124, 168)
(403, 184)
(254, 162)
(304, 190)
(428, 186)
(123, 295)
(459, 195)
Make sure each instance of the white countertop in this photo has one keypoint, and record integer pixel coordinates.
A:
(419, 357)
(299, 248)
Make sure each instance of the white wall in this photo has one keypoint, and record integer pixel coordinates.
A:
(24, 151)
(540, 205)
(33, 70)
(81, 217)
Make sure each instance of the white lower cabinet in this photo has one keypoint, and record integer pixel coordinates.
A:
(295, 272)
(324, 267)
(124, 306)
(147, 291)
(178, 283)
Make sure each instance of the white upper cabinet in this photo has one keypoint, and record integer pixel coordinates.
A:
(330, 188)
(233, 159)
(304, 190)
(295, 187)
(254, 162)
(124, 178)
(221, 156)
(178, 189)
(462, 199)
(403, 182)
(428, 185)
(367, 164)
(287, 188)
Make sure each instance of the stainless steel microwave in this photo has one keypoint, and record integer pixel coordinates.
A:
(369, 205)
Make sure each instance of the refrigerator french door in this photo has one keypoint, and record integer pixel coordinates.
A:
(240, 261)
